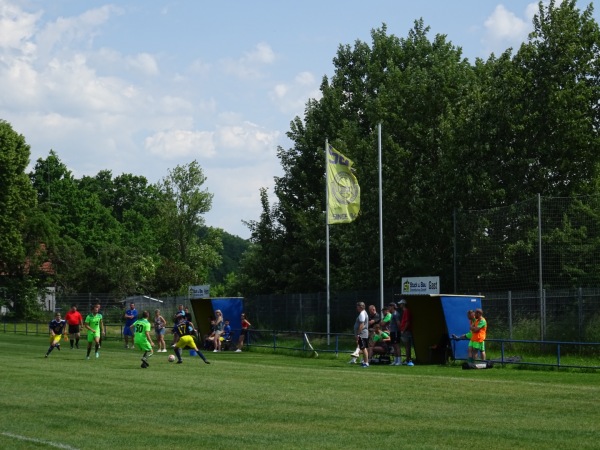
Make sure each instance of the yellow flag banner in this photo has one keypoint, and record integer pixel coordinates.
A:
(343, 189)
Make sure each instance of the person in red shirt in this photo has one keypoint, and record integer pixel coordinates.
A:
(406, 331)
(75, 322)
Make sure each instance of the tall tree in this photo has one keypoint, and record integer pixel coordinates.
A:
(182, 205)
(414, 87)
(17, 198)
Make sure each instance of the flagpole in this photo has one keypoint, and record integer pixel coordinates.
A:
(380, 220)
(327, 239)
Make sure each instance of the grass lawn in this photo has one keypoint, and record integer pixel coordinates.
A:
(255, 400)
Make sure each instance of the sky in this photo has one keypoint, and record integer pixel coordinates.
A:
(142, 86)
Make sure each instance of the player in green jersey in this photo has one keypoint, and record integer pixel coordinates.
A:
(142, 339)
(94, 325)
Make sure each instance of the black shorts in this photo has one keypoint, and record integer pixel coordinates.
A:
(394, 338)
(73, 329)
(362, 343)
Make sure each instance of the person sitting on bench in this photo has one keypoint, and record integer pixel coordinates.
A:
(380, 342)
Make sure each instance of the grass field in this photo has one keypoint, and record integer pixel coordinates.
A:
(257, 400)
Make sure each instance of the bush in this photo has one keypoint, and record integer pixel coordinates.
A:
(592, 329)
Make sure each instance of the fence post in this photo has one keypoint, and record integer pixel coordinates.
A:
(510, 326)
(580, 312)
(543, 314)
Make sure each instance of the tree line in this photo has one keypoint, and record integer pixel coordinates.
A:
(456, 135)
(119, 235)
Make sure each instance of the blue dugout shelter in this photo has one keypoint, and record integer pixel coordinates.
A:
(204, 310)
(435, 318)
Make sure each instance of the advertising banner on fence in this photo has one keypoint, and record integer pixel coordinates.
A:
(202, 291)
(420, 285)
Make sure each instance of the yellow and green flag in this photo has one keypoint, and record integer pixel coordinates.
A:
(343, 189)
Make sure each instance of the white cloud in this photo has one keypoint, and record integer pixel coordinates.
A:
(262, 54)
(145, 63)
(181, 143)
(290, 98)
(66, 30)
(247, 141)
(237, 189)
(249, 66)
(504, 29)
(175, 105)
(17, 28)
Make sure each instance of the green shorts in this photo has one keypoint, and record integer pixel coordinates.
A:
(91, 337)
(143, 345)
(480, 346)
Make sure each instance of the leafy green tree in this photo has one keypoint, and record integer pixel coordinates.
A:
(535, 131)
(414, 87)
(185, 257)
(17, 198)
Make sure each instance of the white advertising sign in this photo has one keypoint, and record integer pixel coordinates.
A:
(420, 285)
(202, 291)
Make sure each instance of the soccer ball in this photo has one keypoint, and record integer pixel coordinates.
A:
(171, 358)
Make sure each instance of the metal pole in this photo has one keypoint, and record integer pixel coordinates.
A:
(380, 220)
(327, 239)
(540, 281)
(510, 327)
(455, 250)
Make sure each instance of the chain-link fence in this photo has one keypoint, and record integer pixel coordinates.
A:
(565, 315)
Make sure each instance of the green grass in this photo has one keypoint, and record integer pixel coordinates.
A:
(258, 400)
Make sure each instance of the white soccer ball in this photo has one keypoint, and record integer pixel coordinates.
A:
(171, 358)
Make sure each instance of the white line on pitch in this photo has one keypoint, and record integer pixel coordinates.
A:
(39, 441)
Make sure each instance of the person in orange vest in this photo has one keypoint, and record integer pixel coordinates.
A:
(478, 334)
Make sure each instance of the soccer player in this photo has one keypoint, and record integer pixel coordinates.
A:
(184, 332)
(58, 328)
(75, 322)
(471, 355)
(95, 326)
(142, 339)
(479, 332)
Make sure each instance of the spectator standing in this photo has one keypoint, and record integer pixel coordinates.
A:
(393, 326)
(374, 317)
(218, 329)
(141, 329)
(361, 332)
(406, 331)
(58, 328)
(74, 322)
(245, 327)
(479, 333)
(188, 314)
(94, 324)
(130, 317)
(180, 312)
(159, 330)
(386, 318)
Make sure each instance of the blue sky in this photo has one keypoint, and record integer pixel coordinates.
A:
(143, 86)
